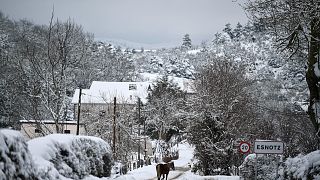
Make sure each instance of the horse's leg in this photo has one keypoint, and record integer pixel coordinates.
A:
(158, 171)
(167, 176)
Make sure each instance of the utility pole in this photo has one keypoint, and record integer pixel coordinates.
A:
(79, 104)
(114, 127)
(145, 140)
(139, 118)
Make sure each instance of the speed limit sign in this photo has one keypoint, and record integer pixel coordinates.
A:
(244, 147)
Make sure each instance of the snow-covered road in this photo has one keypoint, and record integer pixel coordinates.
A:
(182, 171)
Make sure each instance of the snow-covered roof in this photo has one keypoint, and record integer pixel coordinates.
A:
(104, 92)
(47, 121)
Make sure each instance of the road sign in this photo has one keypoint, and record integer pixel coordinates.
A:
(268, 147)
(244, 147)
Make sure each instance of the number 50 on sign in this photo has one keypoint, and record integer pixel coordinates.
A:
(244, 147)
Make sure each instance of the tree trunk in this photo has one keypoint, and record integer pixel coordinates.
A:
(311, 78)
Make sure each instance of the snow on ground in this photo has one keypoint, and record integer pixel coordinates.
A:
(182, 171)
(189, 175)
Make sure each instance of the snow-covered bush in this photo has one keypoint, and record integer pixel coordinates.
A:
(71, 156)
(303, 167)
(267, 167)
(15, 158)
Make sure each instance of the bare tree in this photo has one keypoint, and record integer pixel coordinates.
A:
(222, 88)
(47, 56)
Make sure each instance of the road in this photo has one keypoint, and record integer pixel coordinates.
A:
(175, 174)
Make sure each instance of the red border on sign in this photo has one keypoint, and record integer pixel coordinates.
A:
(243, 142)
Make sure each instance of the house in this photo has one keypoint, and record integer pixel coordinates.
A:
(99, 99)
(33, 128)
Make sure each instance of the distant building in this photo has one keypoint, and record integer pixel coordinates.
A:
(99, 99)
(32, 128)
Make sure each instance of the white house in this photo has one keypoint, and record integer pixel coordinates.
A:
(33, 128)
(99, 98)
(104, 92)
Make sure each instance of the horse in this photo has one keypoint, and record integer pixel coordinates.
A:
(163, 169)
(167, 159)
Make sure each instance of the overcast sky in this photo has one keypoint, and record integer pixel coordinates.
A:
(152, 22)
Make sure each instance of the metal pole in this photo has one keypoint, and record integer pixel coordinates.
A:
(256, 168)
(114, 126)
(277, 173)
(79, 109)
(139, 132)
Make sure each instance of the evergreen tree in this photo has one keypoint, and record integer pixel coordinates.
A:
(212, 144)
(165, 102)
(238, 31)
(186, 42)
(228, 30)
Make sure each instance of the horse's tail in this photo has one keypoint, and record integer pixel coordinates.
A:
(158, 171)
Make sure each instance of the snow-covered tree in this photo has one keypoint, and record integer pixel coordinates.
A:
(213, 146)
(228, 30)
(296, 25)
(222, 112)
(165, 104)
(186, 42)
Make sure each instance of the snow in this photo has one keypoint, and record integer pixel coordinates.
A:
(69, 156)
(299, 167)
(316, 69)
(104, 92)
(15, 159)
(183, 83)
(195, 51)
(182, 171)
(40, 158)
(46, 121)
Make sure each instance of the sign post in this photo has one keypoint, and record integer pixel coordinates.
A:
(267, 147)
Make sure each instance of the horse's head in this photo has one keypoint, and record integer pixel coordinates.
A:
(172, 165)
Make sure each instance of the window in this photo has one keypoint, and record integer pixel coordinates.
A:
(67, 131)
(37, 131)
(132, 87)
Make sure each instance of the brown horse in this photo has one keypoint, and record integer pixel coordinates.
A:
(167, 159)
(163, 169)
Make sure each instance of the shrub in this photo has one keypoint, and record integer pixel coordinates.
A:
(15, 159)
(72, 156)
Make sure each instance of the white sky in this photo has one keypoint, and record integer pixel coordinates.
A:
(141, 21)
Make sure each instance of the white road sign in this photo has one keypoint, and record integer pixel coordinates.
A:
(268, 147)
(244, 147)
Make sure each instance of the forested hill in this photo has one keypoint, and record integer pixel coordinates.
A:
(244, 88)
